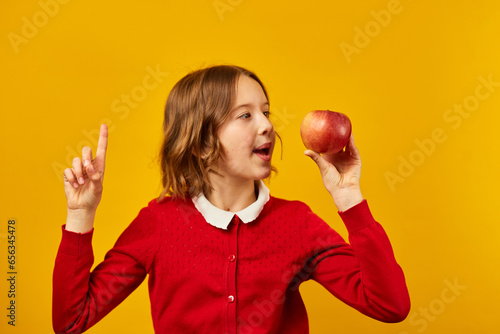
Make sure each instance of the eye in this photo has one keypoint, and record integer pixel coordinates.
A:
(245, 115)
(267, 113)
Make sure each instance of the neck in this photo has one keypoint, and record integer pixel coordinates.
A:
(232, 196)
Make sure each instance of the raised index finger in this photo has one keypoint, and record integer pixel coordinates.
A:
(102, 145)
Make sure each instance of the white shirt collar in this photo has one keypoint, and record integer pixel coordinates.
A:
(221, 219)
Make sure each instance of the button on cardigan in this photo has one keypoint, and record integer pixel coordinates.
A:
(205, 279)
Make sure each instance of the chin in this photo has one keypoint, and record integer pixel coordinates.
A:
(264, 175)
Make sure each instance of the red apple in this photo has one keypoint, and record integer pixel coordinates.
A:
(325, 131)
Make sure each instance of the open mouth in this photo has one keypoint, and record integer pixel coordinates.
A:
(263, 152)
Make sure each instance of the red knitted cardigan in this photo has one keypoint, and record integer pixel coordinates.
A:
(244, 280)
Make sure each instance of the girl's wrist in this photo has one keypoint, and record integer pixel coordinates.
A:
(81, 214)
(346, 198)
(80, 221)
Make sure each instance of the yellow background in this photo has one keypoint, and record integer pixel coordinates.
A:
(61, 81)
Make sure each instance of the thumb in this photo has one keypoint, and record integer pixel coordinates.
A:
(95, 176)
(318, 159)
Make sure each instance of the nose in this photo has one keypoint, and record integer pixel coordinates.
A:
(265, 125)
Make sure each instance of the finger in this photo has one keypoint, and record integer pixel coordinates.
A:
(95, 177)
(102, 146)
(78, 170)
(69, 177)
(92, 172)
(353, 150)
(318, 159)
(348, 146)
(86, 155)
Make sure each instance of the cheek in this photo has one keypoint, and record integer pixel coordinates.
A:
(237, 148)
(237, 140)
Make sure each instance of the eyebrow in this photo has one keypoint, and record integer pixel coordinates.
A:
(247, 105)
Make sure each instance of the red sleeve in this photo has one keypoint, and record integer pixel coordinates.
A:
(81, 298)
(363, 274)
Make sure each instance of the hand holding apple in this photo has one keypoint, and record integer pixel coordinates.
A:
(340, 171)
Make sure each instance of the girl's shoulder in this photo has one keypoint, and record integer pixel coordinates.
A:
(170, 206)
(276, 203)
(169, 202)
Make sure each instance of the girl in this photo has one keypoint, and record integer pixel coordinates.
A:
(223, 256)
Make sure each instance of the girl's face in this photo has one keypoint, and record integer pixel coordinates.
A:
(247, 136)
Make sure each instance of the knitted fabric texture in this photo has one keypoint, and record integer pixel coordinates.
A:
(246, 279)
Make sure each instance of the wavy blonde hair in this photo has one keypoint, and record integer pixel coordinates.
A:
(196, 108)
